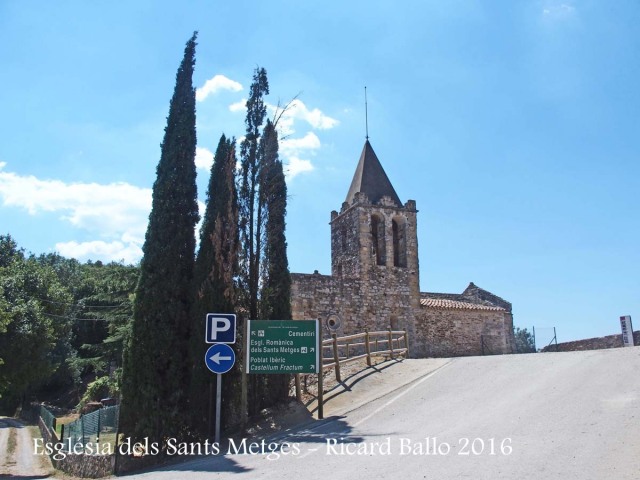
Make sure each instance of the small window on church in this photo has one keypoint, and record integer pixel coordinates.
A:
(378, 242)
(399, 227)
(343, 238)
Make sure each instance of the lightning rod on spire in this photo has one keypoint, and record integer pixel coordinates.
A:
(366, 114)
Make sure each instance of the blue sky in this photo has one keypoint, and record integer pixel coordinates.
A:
(514, 126)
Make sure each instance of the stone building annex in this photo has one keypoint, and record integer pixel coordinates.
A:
(374, 281)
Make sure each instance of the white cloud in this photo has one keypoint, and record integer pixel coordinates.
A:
(296, 166)
(293, 146)
(115, 251)
(202, 207)
(238, 106)
(204, 158)
(291, 149)
(298, 111)
(84, 204)
(116, 212)
(555, 11)
(214, 85)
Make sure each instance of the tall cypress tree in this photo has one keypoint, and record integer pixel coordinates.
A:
(261, 195)
(276, 281)
(155, 363)
(215, 272)
(276, 284)
(252, 221)
(251, 208)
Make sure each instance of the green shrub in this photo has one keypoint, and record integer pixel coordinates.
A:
(101, 387)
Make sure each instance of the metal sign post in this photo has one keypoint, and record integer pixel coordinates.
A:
(218, 405)
(220, 329)
(219, 359)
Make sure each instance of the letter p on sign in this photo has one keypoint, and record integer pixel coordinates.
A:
(220, 328)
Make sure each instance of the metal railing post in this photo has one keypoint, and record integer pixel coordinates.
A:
(390, 344)
(98, 432)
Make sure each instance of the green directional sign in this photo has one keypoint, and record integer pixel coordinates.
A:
(283, 346)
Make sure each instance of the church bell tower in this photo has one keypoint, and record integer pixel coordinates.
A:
(374, 238)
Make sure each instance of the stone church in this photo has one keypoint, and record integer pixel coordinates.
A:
(374, 281)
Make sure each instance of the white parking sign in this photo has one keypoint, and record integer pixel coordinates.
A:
(220, 328)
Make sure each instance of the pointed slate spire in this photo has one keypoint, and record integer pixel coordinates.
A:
(370, 178)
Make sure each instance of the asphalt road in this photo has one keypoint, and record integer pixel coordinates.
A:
(539, 416)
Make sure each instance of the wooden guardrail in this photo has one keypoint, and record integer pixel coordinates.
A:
(385, 343)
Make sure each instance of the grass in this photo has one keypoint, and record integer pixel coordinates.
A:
(45, 463)
(34, 430)
(108, 438)
(65, 420)
(105, 437)
(12, 442)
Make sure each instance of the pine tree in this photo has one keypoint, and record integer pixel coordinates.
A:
(215, 272)
(155, 363)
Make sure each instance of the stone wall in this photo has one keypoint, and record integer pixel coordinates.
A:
(376, 303)
(452, 332)
(375, 273)
(86, 466)
(597, 343)
(353, 250)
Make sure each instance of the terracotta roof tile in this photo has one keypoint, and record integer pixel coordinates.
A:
(456, 305)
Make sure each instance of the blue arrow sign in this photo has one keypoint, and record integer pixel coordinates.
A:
(220, 358)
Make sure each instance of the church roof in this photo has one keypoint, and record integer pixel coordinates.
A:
(473, 298)
(446, 303)
(480, 295)
(370, 178)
